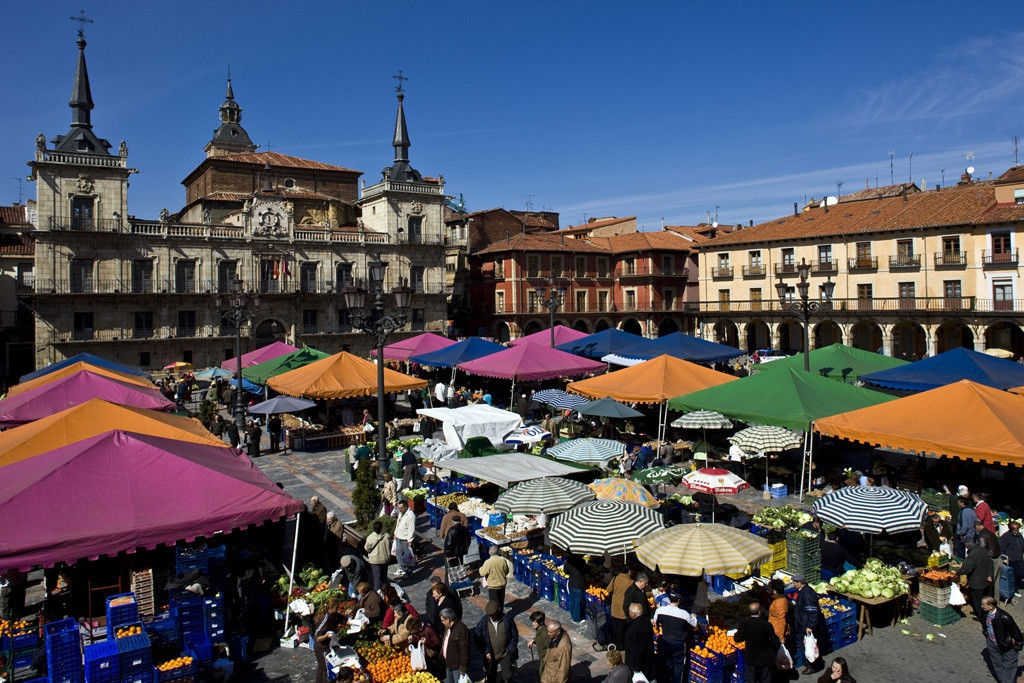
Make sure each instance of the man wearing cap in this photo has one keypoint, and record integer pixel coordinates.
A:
(355, 571)
(498, 640)
(676, 634)
(807, 620)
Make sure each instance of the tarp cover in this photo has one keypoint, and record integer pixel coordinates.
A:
(960, 420)
(653, 381)
(508, 468)
(562, 334)
(682, 346)
(421, 343)
(96, 417)
(531, 361)
(261, 372)
(462, 424)
(85, 358)
(948, 367)
(69, 370)
(118, 491)
(788, 398)
(264, 353)
(341, 376)
(601, 343)
(73, 390)
(459, 352)
(836, 361)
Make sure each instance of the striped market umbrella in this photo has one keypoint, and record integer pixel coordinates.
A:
(544, 496)
(714, 480)
(766, 438)
(615, 488)
(593, 451)
(702, 419)
(871, 509)
(660, 475)
(524, 435)
(603, 526)
(695, 549)
(556, 398)
(608, 407)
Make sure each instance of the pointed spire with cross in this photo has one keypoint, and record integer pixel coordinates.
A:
(399, 77)
(83, 20)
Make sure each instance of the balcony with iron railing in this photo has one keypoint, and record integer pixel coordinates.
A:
(862, 263)
(997, 259)
(785, 268)
(951, 259)
(26, 283)
(721, 272)
(79, 224)
(904, 262)
(825, 266)
(840, 306)
(754, 270)
(385, 186)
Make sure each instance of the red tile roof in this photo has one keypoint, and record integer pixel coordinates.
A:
(13, 215)
(225, 197)
(1014, 174)
(959, 205)
(542, 242)
(880, 192)
(697, 233)
(281, 160)
(598, 224)
(644, 241)
(17, 245)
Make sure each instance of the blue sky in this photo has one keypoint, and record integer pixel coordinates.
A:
(662, 110)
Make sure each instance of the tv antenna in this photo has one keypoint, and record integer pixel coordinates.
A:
(529, 201)
(21, 190)
(943, 173)
(717, 207)
(839, 188)
(911, 174)
(1016, 145)
(82, 20)
(970, 157)
(892, 155)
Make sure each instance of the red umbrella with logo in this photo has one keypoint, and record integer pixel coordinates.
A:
(714, 480)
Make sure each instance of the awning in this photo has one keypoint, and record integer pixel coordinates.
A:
(86, 358)
(69, 370)
(563, 334)
(261, 372)
(508, 468)
(601, 343)
(462, 424)
(682, 346)
(948, 367)
(460, 352)
(836, 361)
(421, 343)
(531, 361)
(341, 376)
(652, 381)
(264, 353)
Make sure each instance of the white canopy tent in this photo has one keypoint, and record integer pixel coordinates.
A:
(461, 424)
(506, 469)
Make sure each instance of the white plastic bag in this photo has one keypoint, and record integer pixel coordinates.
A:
(783, 660)
(418, 657)
(639, 677)
(463, 678)
(810, 649)
(956, 596)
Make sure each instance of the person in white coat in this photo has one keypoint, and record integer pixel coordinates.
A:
(405, 531)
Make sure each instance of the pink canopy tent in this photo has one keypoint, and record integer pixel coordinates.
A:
(563, 334)
(74, 390)
(531, 361)
(413, 346)
(264, 353)
(125, 491)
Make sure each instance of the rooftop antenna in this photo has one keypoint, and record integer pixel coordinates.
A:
(21, 190)
(529, 201)
(892, 155)
(399, 77)
(876, 180)
(911, 175)
(839, 188)
(970, 157)
(1016, 144)
(83, 20)
(943, 176)
(709, 217)
(717, 207)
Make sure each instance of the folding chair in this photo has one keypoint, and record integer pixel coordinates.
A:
(458, 578)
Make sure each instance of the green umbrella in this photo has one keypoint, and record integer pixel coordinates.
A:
(671, 474)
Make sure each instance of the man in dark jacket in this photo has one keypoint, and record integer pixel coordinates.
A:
(274, 431)
(497, 638)
(454, 645)
(978, 570)
(1012, 545)
(576, 568)
(808, 620)
(409, 469)
(231, 429)
(639, 640)
(834, 556)
(637, 593)
(990, 542)
(762, 645)
(936, 531)
(456, 542)
(1003, 639)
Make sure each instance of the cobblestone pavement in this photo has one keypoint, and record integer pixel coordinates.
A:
(954, 654)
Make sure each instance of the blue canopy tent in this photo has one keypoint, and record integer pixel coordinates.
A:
(677, 345)
(247, 386)
(85, 358)
(459, 352)
(948, 367)
(602, 343)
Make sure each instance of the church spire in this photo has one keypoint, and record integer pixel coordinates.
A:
(81, 96)
(230, 137)
(401, 142)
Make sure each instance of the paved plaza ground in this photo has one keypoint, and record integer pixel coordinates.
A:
(901, 652)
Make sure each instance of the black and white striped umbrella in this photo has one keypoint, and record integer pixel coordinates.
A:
(872, 509)
(766, 438)
(556, 398)
(603, 526)
(590, 450)
(702, 419)
(544, 496)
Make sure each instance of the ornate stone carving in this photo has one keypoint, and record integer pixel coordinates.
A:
(40, 142)
(165, 215)
(417, 208)
(269, 219)
(122, 149)
(84, 184)
(207, 217)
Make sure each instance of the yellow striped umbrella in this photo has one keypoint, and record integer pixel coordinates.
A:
(615, 488)
(695, 549)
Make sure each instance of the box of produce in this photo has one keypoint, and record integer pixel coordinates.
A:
(175, 669)
(875, 580)
(937, 578)
(781, 518)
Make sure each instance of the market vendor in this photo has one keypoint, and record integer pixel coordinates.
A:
(353, 570)
(328, 620)
(370, 602)
(453, 516)
(936, 532)
(834, 556)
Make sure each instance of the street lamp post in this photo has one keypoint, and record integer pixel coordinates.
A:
(378, 326)
(551, 298)
(803, 304)
(242, 304)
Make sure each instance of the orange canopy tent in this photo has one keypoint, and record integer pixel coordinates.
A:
(340, 376)
(960, 420)
(653, 381)
(96, 417)
(78, 367)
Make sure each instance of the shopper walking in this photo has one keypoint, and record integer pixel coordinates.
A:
(1003, 641)
(498, 640)
(676, 626)
(978, 570)
(1012, 545)
(639, 639)
(454, 646)
(495, 573)
(761, 645)
(808, 620)
(378, 553)
(558, 662)
(778, 612)
(405, 532)
(274, 431)
(389, 494)
(617, 600)
(540, 640)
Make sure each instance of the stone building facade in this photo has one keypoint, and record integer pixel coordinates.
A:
(145, 292)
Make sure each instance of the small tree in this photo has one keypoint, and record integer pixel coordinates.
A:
(207, 409)
(366, 498)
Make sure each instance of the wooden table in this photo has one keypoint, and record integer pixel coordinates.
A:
(864, 614)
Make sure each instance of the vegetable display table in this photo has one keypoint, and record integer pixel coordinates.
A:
(864, 614)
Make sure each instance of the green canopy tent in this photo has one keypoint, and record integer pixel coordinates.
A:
(261, 372)
(837, 361)
(788, 398)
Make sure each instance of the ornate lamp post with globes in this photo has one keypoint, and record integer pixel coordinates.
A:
(378, 326)
(803, 304)
(551, 298)
(242, 304)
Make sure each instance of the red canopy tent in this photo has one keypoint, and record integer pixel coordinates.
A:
(563, 335)
(413, 346)
(264, 353)
(119, 491)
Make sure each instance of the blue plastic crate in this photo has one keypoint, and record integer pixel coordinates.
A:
(199, 647)
(182, 672)
(239, 648)
(720, 583)
(119, 615)
(102, 662)
(136, 659)
(20, 661)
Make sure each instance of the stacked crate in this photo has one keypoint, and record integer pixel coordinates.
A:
(135, 659)
(122, 609)
(102, 662)
(213, 618)
(803, 555)
(934, 599)
(842, 625)
(63, 652)
(706, 669)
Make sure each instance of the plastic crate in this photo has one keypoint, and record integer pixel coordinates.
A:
(934, 596)
(940, 616)
(102, 662)
(175, 674)
(122, 609)
(136, 659)
(721, 584)
(63, 652)
(778, 491)
(239, 649)
(495, 519)
(199, 647)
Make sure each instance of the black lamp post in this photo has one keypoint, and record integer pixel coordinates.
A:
(242, 304)
(803, 304)
(551, 298)
(379, 326)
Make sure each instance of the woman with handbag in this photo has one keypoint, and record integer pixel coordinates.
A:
(423, 637)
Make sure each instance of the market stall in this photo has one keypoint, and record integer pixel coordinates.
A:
(340, 376)
(601, 343)
(678, 345)
(72, 369)
(418, 344)
(531, 362)
(562, 335)
(462, 424)
(508, 468)
(89, 359)
(264, 353)
(949, 367)
(836, 361)
(260, 373)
